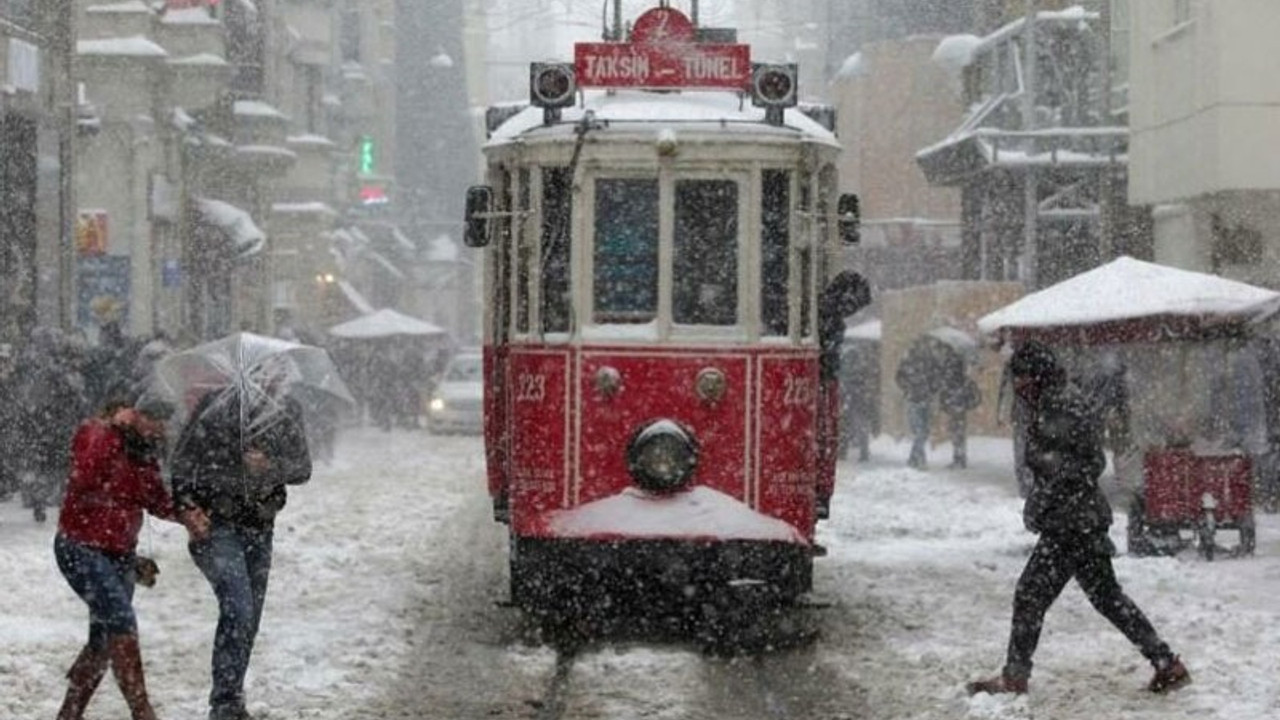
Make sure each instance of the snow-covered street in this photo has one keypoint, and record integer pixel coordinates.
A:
(388, 572)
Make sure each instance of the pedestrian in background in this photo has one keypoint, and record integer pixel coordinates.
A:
(859, 414)
(917, 379)
(1067, 509)
(115, 476)
(52, 402)
(959, 397)
(9, 418)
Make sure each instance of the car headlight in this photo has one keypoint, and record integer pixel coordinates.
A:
(662, 456)
(437, 404)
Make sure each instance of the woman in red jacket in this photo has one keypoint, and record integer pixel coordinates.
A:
(115, 475)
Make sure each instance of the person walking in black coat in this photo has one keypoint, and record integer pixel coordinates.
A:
(235, 466)
(1067, 509)
(958, 398)
(917, 378)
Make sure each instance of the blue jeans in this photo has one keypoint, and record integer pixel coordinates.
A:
(236, 561)
(105, 582)
(918, 416)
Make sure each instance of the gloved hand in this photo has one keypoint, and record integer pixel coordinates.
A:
(146, 570)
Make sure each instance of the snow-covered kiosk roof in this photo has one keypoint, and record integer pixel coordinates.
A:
(385, 323)
(1129, 300)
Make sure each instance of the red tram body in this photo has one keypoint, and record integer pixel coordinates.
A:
(653, 406)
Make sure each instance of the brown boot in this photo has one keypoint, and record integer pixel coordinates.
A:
(997, 685)
(83, 678)
(1170, 676)
(126, 663)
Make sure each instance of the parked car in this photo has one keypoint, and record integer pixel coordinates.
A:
(457, 404)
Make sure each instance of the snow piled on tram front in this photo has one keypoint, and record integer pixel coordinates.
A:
(735, 112)
(698, 513)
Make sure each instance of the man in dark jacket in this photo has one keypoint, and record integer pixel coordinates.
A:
(234, 466)
(1067, 509)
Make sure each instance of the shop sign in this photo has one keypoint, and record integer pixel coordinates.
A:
(91, 232)
(104, 289)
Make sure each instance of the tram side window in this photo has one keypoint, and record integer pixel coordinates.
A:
(706, 252)
(775, 240)
(626, 251)
(557, 210)
(502, 269)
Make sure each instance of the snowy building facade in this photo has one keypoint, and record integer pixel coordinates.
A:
(37, 128)
(228, 143)
(1204, 110)
(891, 99)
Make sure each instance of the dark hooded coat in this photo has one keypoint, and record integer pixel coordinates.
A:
(208, 463)
(1064, 453)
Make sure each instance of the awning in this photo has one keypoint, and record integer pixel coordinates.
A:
(236, 224)
(1130, 300)
(386, 323)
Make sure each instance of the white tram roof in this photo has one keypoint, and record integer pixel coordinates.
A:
(720, 112)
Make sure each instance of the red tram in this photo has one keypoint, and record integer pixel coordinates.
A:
(658, 222)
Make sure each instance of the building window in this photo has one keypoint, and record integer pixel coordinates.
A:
(16, 10)
(1120, 29)
(1181, 11)
(349, 36)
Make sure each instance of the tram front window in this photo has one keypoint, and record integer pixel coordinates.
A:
(626, 251)
(706, 253)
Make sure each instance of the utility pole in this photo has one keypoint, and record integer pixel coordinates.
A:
(1031, 225)
(66, 97)
(1107, 181)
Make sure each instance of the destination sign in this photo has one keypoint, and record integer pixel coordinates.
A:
(670, 66)
(663, 55)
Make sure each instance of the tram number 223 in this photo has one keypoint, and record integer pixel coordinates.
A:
(799, 390)
(531, 387)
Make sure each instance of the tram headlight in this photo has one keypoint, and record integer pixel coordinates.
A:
(552, 85)
(662, 456)
(773, 85)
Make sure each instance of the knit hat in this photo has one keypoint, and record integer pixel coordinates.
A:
(1034, 359)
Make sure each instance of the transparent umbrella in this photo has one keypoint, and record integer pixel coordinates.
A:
(255, 374)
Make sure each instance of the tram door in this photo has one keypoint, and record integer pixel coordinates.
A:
(500, 282)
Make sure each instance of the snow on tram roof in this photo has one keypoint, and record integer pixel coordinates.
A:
(644, 107)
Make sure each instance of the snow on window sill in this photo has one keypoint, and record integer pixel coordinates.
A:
(1173, 33)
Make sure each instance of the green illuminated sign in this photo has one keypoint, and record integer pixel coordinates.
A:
(368, 157)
